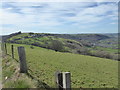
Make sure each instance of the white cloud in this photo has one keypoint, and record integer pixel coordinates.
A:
(55, 14)
(100, 9)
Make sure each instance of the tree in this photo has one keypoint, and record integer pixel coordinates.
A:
(31, 33)
(56, 45)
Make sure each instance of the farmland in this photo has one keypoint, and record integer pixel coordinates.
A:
(86, 71)
(99, 45)
(60, 45)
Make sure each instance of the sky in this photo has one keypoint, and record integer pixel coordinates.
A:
(59, 17)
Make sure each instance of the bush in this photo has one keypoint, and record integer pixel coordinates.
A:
(104, 54)
(31, 33)
(56, 45)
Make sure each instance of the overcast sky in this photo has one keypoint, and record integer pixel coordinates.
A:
(64, 17)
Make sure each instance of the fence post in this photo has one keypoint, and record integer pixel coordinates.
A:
(59, 80)
(5, 48)
(22, 58)
(66, 81)
(12, 48)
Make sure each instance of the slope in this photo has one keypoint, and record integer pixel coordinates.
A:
(87, 71)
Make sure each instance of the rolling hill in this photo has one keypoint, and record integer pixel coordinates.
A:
(43, 61)
(100, 45)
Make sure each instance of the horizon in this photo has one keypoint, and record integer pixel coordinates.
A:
(57, 33)
(70, 17)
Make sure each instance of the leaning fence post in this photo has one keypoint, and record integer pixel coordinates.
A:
(58, 80)
(66, 81)
(5, 48)
(22, 58)
(12, 48)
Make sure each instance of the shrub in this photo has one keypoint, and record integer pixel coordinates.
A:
(104, 54)
(98, 53)
(56, 45)
(31, 33)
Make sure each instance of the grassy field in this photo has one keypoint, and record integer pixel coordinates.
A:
(11, 78)
(86, 71)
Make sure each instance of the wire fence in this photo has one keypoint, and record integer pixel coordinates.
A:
(17, 52)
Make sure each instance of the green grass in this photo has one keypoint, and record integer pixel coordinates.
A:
(44, 41)
(69, 45)
(86, 71)
(11, 78)
(19, 36)
(18, 84)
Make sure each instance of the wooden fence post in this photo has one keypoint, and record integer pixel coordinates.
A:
(12, 48)
(5, 48)
(22, 58)
(66, 81)
(58, 80)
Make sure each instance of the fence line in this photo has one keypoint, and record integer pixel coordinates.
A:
(62, 79)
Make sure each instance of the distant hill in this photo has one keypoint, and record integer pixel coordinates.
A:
(100, 45)
(5, 37)
(48, 53)
(88, 37)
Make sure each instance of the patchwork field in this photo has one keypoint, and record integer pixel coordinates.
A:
(86, 71)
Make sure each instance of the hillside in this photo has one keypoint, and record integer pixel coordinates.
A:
(87, 71)
(11, 78)
(99, 45)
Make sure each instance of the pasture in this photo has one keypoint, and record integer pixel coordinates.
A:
(86, 71)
